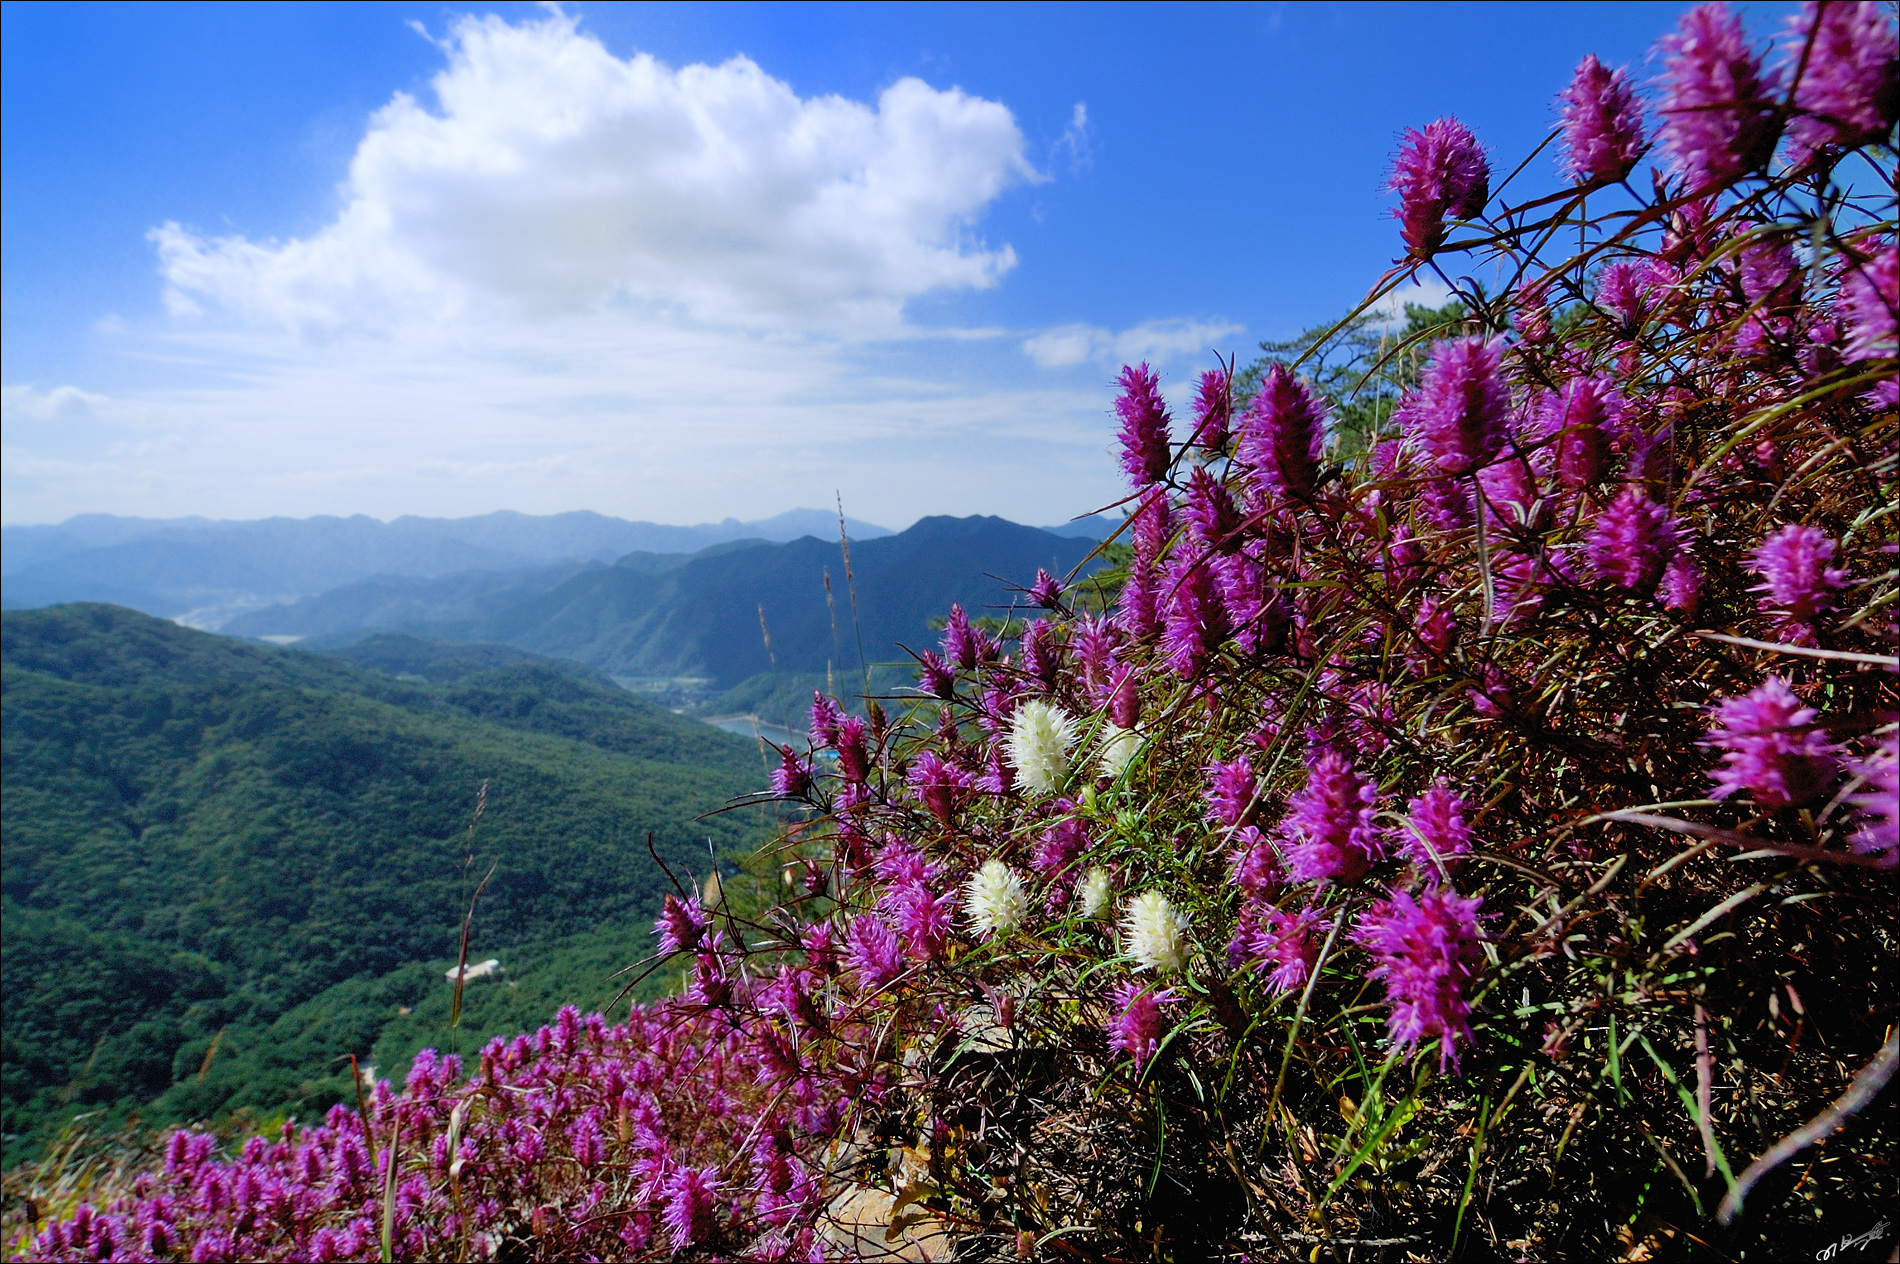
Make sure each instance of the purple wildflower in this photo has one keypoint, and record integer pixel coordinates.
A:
(792, 778)
(1581, 417)
(1136, 607)
(1210, 509)
(1622, 293)
(923, 920)
(1848, 93)
(873, 951)
(1509, 490)
(1046, 591)
(1136, 1028)
(1602, 123)
(1440, 172)
(1213, 410)
(1719, 119)
(689, 1214)
(937, 677)
(1772, 747)
(1458, 415)
(824, 720)
(1197, 618)
(1042, 653)
(1681, 587)
(1230, 791)
(1144, 434)
(1282, 434)
(854, 759)
(1328, 825)
(962, 644)
(1094, 643)
(1255, 866)
(1426, 953)
(1436, 830)
(998, 779)
(1124, 698)
(1634, 539)
(1797, 581)
(1060, 844)
(1290, 942)
(942, 786)
(1879, 803)
(1154, 523)
(1870, 304)
(681, 924)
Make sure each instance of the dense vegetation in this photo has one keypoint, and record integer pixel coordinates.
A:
(211, 842)
(1470, 832)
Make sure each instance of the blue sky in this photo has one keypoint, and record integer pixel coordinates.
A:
(430, 259)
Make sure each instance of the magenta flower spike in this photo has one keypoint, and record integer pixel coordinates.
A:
(1681, 586)
(1196, 616)
(937, 678)
(1144, 433)
(792, 778)
(1847, 57)
(1602, 124)
(924, 921)
(1634, 539)
(1879, 803)
(1230, 791)
(1213, 410)
(1870, 304)
(1154, 523)
(1282, 434)
(854, 758)
(872, 952)
(1289, 942)
(1581, 418)
(689, 1214)
(681, 924)
(1210, 510)
(1459, 413)
(1441, 172)
(959, 639)
(941, 786)
(1436, 830)
(1719, 116)
(1124, 697)
(824, 720)
(1046, 591)
(1328, 825)
(1797, 582)
(1425, 951)
(1772, 749)
(1138, 1025)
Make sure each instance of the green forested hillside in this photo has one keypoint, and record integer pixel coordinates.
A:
(200, 836)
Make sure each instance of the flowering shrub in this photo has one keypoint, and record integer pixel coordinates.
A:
(1477, 829)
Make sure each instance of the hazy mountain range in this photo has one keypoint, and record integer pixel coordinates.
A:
(204, 572)
(654, 615)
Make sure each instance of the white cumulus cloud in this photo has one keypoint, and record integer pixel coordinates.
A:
(554, 177)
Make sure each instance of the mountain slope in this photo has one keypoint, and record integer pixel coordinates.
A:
(702, 617)
(198, 835)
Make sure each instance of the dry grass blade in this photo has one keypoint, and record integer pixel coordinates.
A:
(1866, 1086)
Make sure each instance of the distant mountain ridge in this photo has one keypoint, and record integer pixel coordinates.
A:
(660, 616)
(205, 571)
